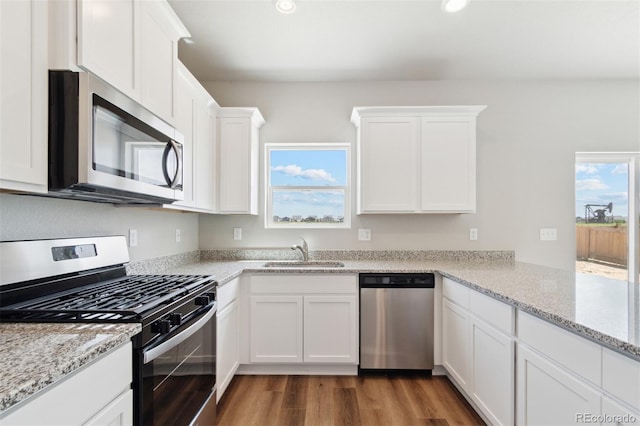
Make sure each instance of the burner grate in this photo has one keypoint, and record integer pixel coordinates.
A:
(121, 299)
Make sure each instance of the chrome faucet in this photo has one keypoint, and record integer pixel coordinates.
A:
(304, 249)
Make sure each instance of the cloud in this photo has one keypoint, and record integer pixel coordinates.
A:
(590, 185)
(586, 168)
(311, 174)
(614, 196)
(619, 169)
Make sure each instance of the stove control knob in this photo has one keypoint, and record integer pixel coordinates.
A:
(162, 326)
(175, 318)
(202, 300)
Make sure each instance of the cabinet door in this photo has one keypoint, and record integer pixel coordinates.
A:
(108, 44)
(238, 149)
(23, 95)
(493, 372)
(228, 358)
(548, 395)
(276, 329)
(448, 164)
(455, 342)
(118, 413)
(330, 329)
(618, 415)
(158, 56)
(205, 158)
(388, 165)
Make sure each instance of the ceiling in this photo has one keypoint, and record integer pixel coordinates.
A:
(349, 40)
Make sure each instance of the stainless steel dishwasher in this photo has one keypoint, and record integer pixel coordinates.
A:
(396, 323)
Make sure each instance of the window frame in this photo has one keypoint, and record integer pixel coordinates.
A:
(632, 159)
(269, 189)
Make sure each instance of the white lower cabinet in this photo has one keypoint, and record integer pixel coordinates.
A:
(492, 372)
(329, 329)
(227, 335)
(549, 395)
(276, 329)
(97, 394)
(478, 350)
(615, 414)
(455, 342)
(303, 319)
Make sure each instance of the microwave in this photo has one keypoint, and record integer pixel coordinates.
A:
(105, 147)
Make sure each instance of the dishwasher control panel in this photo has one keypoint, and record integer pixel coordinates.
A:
(425, 280)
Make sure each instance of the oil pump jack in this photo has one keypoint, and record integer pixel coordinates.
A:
(593, 214)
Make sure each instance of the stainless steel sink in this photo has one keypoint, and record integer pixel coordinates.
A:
(307, 264)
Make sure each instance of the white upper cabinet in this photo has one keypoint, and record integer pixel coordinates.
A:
(238, 140)
(416, 159)
(23, 95)
(108, 42)
(195, 120)
(132, 45)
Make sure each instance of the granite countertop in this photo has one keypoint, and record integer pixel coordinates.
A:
(599, 309)
(33, 356)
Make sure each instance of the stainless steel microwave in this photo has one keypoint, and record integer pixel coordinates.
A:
(105, 147)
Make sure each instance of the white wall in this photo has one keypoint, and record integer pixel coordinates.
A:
(527, 138)
(27, 217)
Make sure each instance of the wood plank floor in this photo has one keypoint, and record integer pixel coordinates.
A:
(343, 400)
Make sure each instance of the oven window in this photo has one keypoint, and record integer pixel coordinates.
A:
(177, 383)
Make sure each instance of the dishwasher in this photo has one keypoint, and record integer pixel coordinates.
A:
(396, 323)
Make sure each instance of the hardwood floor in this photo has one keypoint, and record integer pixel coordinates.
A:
(343, 400)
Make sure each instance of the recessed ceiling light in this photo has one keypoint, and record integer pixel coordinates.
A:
(453, 6)
(286, 6)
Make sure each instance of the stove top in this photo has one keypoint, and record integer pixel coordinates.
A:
(126, 299)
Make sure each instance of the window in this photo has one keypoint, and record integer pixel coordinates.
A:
(307, 185)
(606, 210)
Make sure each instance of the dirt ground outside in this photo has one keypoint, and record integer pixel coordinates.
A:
(602, 270)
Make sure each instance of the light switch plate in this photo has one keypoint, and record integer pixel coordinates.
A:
(237, 234)
(133, 237)
(548, 234)
(364, 234)
(178, 235)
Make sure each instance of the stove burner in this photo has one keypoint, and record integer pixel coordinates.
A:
(119, 300)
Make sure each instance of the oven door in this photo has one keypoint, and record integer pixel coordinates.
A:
(179, 375)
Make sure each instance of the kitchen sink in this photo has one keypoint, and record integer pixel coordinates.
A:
(302, 264)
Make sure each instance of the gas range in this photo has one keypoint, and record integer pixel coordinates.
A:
(85, 280)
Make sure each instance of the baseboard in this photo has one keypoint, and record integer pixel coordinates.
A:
(298, 369)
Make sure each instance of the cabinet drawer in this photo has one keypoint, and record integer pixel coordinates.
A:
(568, 349)
(492, 311)
(227, 293)
(455, 292)
(621, 377)
(304, 283)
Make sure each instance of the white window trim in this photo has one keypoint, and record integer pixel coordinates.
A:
(269, 223)
(633, 161)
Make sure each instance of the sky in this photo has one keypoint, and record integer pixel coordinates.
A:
(317, 168)
(602, 183)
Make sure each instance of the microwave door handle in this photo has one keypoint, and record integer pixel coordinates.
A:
(163, 347)
(171, 181)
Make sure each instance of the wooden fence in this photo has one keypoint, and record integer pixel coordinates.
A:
(605, 243)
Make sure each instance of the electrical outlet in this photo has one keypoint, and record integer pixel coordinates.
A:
(364, 234)
(133, 237)
(237, 234)
(473, 234)
(548, 234)
(178, 236)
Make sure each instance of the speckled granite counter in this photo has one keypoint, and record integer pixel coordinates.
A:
(600, 309)
(33, 356)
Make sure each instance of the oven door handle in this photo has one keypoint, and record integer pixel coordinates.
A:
(163, 347)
